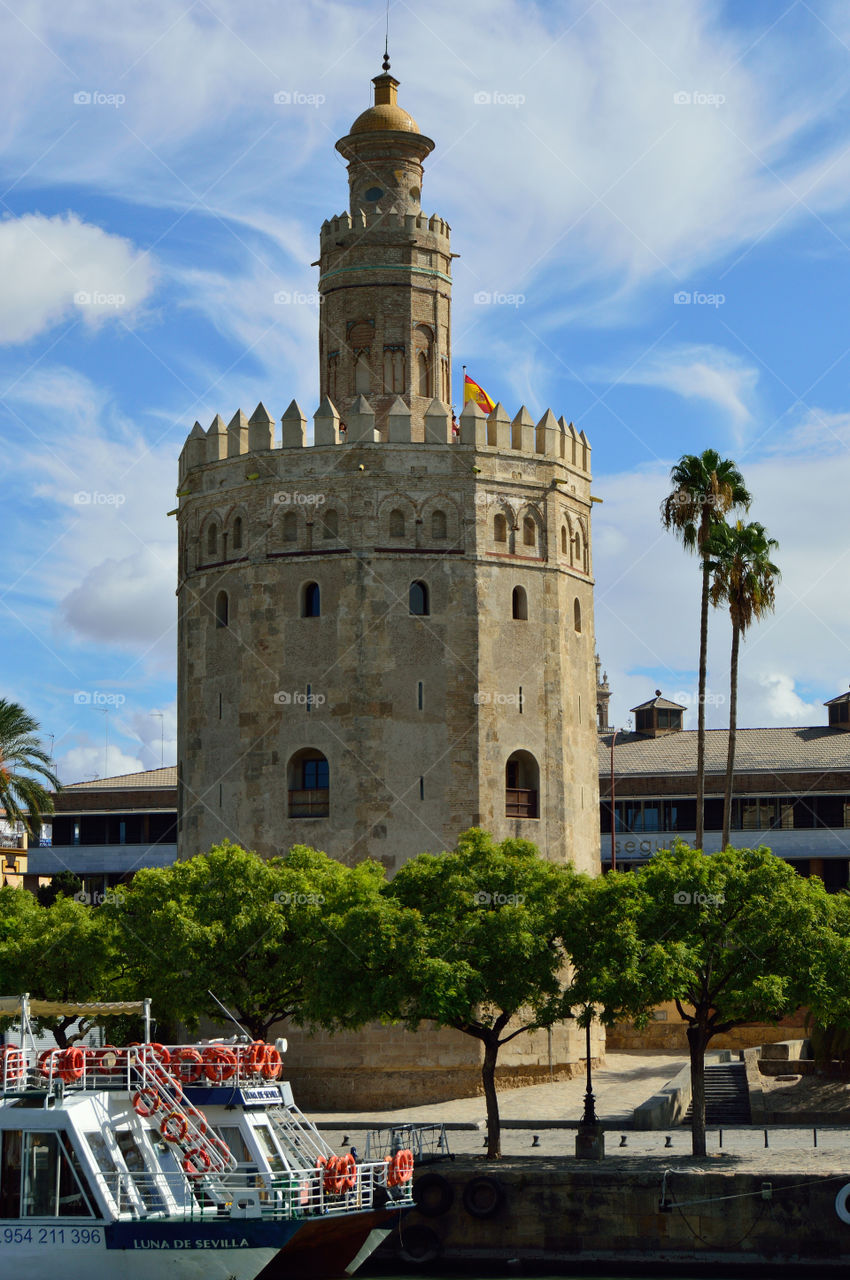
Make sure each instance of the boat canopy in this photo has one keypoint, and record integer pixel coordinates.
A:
(12, 1007)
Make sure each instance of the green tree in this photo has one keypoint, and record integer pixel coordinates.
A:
(732, 937)
(705, 488)
(64, 882)
(229, 922)
(22, 764)
(485, 958)
(744, 577)
(62, 952)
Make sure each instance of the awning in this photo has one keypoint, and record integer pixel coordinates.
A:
(11, 1007)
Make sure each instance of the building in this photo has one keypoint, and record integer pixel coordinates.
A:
(386, 635)
(16, 849)
(791, 789)
(106, 830)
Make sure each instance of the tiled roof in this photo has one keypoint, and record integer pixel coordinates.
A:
(659, 701)
(756, 750)
(166, 777)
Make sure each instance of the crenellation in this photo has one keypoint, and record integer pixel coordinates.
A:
(260, 430)
(294, 427)
(399, 422)
(473, 425)
(326, 423)
(438, 423)
(547, 435)
(499, 428)
(522, 431)
(361, 427)
(237, 435)
(217, 439)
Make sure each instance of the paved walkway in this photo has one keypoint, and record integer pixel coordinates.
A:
(626, 1080)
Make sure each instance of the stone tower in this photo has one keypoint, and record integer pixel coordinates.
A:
(386, 631)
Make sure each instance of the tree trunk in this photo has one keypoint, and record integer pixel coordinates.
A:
(733, 728)
(703, 664)
(697, 1041)
(488, 1079)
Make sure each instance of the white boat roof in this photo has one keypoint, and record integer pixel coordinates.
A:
(12, 1007)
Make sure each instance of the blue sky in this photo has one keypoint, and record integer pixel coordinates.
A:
(595, 160)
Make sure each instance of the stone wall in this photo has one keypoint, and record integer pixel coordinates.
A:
(670, 1033)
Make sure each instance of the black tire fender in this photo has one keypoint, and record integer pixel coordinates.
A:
(419, 1245)
(433, 1194)
(483, 1197)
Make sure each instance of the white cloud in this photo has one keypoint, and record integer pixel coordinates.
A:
(647, 596)
(127, 602)
(83, 763)
(55, 268)
(698, 372)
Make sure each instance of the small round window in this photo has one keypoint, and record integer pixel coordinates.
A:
(374, 193)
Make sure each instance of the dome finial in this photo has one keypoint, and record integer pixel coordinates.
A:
(386, 63)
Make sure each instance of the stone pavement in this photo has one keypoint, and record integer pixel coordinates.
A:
(627, 1080)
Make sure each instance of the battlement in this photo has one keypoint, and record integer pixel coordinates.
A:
(551, 439)
(410, 223)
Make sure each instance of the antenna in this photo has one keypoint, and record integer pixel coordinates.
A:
(225, 1009)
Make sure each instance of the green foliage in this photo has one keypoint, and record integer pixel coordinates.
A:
(228, 922)
(64, 882)
(743, 574)
(22, 764)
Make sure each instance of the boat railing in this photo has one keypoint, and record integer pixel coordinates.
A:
(84, 1068)
(297, 1193)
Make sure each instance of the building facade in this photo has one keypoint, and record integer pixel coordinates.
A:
(386, 630)
(791, 790)
(107, 829)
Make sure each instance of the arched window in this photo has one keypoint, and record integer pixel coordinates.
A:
(308, 776)
(438, 524)
(396, 523)
(330, 525)
(237, 534)
(577, 615)
(577, 544)
(362, 376)
(290, 527)
(212, 539)
(393, 369)
(423, 344)
(529, 532)
(565, 551)
(222, 609)
(418, 599)
(311, 601)
(522, 786)
(500, 529)
(519, 604)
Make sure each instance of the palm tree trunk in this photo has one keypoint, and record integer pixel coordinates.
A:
(703, 665)
(733, 729)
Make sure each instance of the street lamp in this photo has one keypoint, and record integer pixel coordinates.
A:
(590, 1136)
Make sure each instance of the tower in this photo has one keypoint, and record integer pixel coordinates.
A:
(386, 634)
(385, 273)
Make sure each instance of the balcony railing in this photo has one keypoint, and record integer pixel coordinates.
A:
(520, 802)
(309, 804)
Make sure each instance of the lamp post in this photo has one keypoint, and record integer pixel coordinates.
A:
(590, 1136)
(613, 809)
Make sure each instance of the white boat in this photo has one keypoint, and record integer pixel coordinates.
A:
(190, 1161)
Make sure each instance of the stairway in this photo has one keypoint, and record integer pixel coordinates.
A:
(727, 1098)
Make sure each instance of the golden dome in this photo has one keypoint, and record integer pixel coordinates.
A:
(385, 115)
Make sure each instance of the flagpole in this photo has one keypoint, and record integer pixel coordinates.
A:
(463, 387)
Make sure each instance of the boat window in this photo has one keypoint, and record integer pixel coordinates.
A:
(269, 1148)
(41, 1177)
(142, 1179)
(235, 1141)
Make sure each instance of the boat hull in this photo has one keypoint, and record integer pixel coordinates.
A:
(324, 1248)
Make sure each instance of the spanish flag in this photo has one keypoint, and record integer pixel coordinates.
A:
(472, 391)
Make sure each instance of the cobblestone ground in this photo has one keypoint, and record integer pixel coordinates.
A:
(627, 1080)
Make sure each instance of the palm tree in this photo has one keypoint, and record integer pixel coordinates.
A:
(705, 488)
(21, 794)
(745, 578)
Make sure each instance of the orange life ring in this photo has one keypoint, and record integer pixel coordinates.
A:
(71, 1064)
(347, 1167)
(273, 1064)
(158, 1052)
(146, 1102)
(219, 1063)
(12, 1065)
(47, 1061)
(174, 1127)
(196, 1163)
(401, 1168)
(187, 1065)
(257, 1057)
